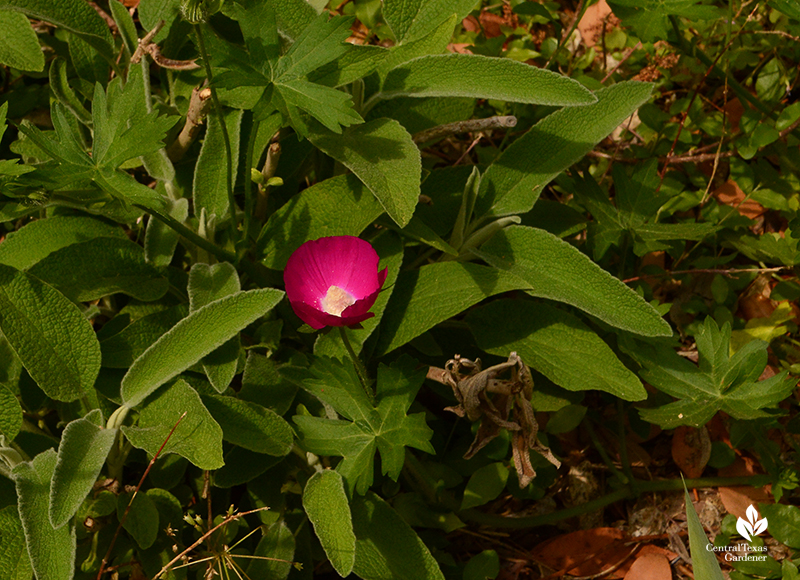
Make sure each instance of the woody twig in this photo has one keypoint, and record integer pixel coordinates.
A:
(199, 105)
(147, 46)
(468, 126)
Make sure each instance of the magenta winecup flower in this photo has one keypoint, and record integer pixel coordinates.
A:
(333, 281)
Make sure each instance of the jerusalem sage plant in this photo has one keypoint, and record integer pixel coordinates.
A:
(143, 272)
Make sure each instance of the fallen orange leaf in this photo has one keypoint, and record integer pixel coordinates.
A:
(650, 566)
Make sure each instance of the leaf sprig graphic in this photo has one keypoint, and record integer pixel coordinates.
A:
(752, 526)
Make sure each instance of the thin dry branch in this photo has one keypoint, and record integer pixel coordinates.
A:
(468, 126)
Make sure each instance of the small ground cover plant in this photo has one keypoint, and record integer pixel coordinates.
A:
(398, 289)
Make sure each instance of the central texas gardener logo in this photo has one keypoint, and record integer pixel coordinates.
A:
(752, 526)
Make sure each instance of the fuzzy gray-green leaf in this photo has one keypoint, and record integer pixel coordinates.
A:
(386, 546)
(10, 414)
(14, 561)
(512, 184)
(423, 298)
(198, 437)
(481, 77)
(20, 47)
(193, 338)
(52, 552)
(383, 156)
(556, 270)
(251, 426)
(38, 239)
(101, 267)
(50, 335)
(81, 454)
(211, 171)
(325, 502)
(338, 206)
(555, 343)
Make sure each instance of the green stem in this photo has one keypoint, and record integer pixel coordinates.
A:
(360, 370)
(601, 450)
(248, 183)
(193, 237)
(201, 45)
(613, 497)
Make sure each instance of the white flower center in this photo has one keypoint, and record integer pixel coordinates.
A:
(336, 300)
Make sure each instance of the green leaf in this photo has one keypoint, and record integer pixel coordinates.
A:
(485, 565)
(122, 348)
(52, 552)
(485, 485)
(206, 284)
(20, 48)
(770, 247)
(198, 437)
(160, 240)
(385, 427)
(650, 18)
(142, 521)
(357, 62)
(386, 547)
(555, 343)
(250, 426)
(73, 15)
(321, 42)
(720, 383)
(49, 334)
(637, 196)
(125, 188)
(100, 267)
(123, 127)
(512, 184)
(10, 414)
(14, 561)
(787, 7)
(211, 282)
(125, 24)
(481, 77)
(412, 20)
(332, 108)
(556, 270)
(423, 298)
(383, 156)
(325, 503)
(211, 170)
(293, 16)
(81, 454)
(192, 338)
(434, 41)
(704, 562)
(150, 12)
(277, 545)
(335, 207)
(784, 522)
(64, 93)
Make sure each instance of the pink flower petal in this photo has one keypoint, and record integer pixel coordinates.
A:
(347, 262)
